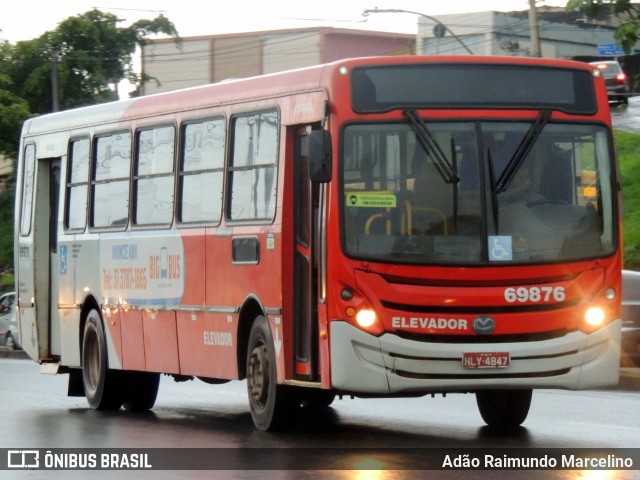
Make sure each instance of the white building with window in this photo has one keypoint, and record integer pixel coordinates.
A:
(562, 34)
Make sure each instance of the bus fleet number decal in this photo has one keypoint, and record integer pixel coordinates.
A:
(534, 294)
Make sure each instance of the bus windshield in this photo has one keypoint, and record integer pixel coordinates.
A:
(477, 191)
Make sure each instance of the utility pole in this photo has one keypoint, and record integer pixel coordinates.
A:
(55, 104)
(533, 26)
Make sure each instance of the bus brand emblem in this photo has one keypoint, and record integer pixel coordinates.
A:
(484, 325)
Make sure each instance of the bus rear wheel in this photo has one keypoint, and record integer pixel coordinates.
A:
(273, 406)
(141, 391)
(504, 409)
(102, 387)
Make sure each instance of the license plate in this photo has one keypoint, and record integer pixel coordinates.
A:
(486, 359)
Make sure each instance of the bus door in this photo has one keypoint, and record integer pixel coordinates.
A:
(36, 283)
(25, 273)
(46, 256)
(54, 266)
(305, 284)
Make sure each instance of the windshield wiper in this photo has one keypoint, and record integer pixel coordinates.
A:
(494, 194)
(430, 145)
(516, 161)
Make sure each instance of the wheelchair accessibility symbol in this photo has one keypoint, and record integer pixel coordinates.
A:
(500, 248)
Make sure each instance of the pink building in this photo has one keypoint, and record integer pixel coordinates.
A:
(208, 59)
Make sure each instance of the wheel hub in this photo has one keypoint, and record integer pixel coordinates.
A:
(92, 361)
(258, 375)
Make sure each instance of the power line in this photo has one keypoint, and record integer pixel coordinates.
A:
(130, 9)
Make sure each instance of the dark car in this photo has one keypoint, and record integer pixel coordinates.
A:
(9, 336)
(615, 79)
(630, 318)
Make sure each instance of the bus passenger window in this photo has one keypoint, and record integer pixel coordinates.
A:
(201, 171)
(110, 185)
(252, 169)
(77, 185)
(154, 176)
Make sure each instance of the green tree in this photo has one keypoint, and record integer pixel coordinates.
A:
(91, 55)
(628, 33)
(13, 111)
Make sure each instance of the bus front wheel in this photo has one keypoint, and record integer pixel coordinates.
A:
(102, 387)
(504, 409)
(272, 405)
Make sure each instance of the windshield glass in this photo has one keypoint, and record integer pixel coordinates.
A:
(442, 202)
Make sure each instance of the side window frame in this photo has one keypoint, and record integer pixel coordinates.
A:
(194, 167)
(76, 183)
(251, 172)
(105, 180)
(151, 173)
(28, 189)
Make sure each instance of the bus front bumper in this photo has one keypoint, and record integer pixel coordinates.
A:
(387, 365)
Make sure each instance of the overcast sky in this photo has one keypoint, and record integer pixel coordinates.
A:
(28, 19)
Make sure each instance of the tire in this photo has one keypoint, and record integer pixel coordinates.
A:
(273, 407)
(141, 391)
(10, 342)
(102, 387)
(504, 409)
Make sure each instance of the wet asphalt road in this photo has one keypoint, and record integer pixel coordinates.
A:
(36, 413)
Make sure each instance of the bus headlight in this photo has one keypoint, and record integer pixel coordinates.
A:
(594, 317)
(359, 312)
(603, 309)
(366, 317)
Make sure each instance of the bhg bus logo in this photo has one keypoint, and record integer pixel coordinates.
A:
(484, 325)
(23, 459)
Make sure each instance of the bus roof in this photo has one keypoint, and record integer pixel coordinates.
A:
(264, 87)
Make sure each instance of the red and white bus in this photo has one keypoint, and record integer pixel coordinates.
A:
(372, 227)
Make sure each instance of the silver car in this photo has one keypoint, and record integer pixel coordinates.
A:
(9, 335)
(615, 80)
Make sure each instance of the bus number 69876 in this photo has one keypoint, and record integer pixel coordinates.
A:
(534, 294)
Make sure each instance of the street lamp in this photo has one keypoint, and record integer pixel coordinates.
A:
(438, 22)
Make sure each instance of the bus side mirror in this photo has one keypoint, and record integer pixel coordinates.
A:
(319, 156)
